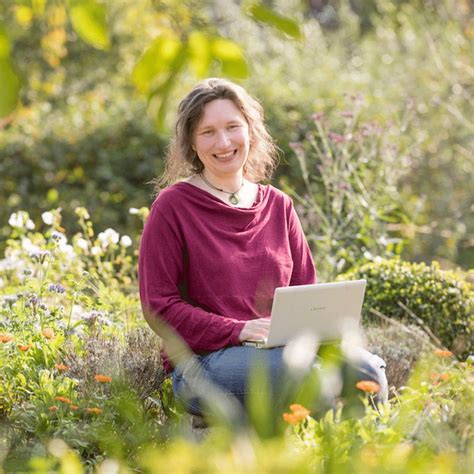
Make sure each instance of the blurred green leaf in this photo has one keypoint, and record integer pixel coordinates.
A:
(162, 92)
(155, 61)
(10, 81)
(89, 21)
(199, 53)
(231, 57)
(269, 17)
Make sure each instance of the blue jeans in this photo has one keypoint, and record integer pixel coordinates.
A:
(229, 369)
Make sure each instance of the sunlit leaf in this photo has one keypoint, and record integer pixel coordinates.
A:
(10, 83)
(282, 23)
(38, 6)
(160, 95)
(199, 53)
(88, 18)
(23, 15)
(155, 61)
(231, 57)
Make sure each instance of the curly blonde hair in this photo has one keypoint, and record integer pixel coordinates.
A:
(182, 161)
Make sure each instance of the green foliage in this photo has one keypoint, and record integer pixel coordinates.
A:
(439, 300)
(88, 18)
(10, 82)
(265, 15)
(81, 385)
(350, 168)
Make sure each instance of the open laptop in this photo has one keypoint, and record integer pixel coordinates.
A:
(326, 310)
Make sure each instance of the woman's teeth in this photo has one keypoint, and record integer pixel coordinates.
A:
(223, 156)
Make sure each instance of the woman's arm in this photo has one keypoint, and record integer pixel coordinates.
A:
(161, 270)
(304, 271)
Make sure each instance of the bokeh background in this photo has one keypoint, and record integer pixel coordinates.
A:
(370, 101)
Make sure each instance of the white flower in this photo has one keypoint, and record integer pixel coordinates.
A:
(96, 250)
(30, 225)
(82, 243)
(29, 246)
(18, 219)
(109, 236)
(125, 241)
(68, 250)
(59, 238)
(133, 210)
(48, 218)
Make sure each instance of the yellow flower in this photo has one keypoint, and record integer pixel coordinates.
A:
(298, 413)
(103, 378)
(6, 337)
(442, 353)
(368, 386)
(94, 410)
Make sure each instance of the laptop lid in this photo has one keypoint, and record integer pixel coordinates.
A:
(326, 310)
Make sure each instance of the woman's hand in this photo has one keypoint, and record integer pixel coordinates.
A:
(255, 330)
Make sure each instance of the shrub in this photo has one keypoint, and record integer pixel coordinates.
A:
(441, 301)
(400, 348)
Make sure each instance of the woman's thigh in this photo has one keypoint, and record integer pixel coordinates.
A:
(230, 371)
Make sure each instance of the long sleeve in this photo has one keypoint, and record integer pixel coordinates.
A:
(162, 273)
(304, 272)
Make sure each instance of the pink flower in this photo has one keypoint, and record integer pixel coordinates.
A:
(336, 138)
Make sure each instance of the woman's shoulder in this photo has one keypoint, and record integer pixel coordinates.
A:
(278, 196)
(169, 199)
(170, 194)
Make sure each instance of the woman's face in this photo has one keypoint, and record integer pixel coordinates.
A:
(221, 139)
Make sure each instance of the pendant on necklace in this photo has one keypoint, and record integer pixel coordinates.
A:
(234, 199)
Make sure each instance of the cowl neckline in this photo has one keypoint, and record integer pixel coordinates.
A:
(208, 200)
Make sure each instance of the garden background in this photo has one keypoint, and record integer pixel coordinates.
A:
(371, 105)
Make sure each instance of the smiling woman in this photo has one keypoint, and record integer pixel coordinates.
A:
(218, 242)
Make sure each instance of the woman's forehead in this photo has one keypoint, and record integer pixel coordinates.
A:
(218, 111)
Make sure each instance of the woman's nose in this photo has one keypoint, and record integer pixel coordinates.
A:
(223, 140)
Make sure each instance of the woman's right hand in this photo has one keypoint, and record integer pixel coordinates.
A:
(255, 330)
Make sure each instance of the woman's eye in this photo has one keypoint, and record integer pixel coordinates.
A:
(207, 132)
(233, 127)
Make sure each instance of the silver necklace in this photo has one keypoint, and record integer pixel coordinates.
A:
(233, 196)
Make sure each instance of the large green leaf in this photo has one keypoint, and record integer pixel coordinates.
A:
(282, 23)
(156, 61)
(88, 17)
(199, 53)
(10, 83)
(231, 57)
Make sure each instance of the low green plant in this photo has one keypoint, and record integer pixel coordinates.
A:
(439, 301)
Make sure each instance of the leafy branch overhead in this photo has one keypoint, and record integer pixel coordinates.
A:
(188, 40)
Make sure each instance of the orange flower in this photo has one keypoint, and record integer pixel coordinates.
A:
(368, 386)
(298, 413)
(437, 378)
(24, 347)
(6, 337)
(94, 410)
(74, 407)
(443, 354)
(53, 408)
(61, 367)
(63, 399)
(48, 333)
(103, 378)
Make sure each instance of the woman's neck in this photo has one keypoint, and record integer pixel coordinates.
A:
(229, 183)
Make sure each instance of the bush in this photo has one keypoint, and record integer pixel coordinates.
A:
(438, 300)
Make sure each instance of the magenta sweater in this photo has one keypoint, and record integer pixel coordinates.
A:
(206, 267)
